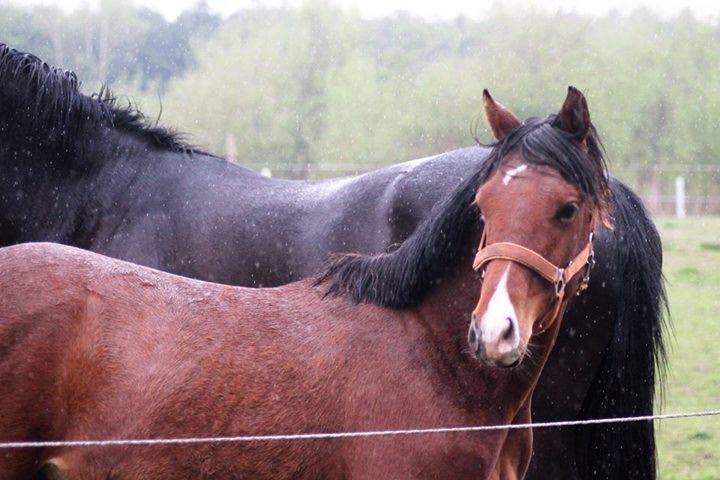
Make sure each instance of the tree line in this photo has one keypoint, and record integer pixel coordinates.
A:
(316, 90)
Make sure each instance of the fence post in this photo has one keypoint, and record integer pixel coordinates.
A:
(680, 197)
(230, 148)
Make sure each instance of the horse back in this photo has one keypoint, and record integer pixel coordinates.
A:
(376, 211)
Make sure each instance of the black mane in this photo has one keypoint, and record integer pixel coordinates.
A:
(402, 278)
(43, 104)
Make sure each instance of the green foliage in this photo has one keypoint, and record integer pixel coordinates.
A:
(115, 44)
(263, 78)
(688, 449)
(297, 91)
(316, 88)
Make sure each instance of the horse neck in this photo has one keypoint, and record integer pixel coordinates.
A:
(445, 314)
(59, 197)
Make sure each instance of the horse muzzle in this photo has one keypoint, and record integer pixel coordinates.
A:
(498, 346)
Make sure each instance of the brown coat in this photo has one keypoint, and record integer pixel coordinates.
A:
(96, 348)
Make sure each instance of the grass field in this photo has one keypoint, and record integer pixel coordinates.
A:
(690, 449)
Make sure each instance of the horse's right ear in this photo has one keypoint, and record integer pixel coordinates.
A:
(574, 115)
(501, 120)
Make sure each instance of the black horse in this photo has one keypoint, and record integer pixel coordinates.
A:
(87, 172)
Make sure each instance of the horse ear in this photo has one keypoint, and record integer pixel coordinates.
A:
(574, 115)
(501, 120)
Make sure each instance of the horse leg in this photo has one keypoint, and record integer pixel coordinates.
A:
(514, 458)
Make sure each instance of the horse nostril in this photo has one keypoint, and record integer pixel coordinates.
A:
(472, 337)
(509, 330)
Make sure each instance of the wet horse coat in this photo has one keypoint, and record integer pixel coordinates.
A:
(112, 350)
(99, 348)
(135, 192)
(129, 352)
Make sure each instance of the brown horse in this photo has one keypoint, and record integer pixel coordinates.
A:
(96, 348)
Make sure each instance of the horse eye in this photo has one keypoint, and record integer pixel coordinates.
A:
(567, 212)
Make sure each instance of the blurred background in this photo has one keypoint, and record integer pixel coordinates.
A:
(321, 89)
(317, 89)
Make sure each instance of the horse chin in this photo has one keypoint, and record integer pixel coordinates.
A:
(513, 364)
(504, 363)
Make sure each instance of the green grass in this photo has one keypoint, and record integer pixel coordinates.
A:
(690, 448)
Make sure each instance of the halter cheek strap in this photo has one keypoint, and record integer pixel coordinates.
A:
(558, 277)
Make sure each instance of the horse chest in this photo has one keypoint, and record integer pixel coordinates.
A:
(462, 456)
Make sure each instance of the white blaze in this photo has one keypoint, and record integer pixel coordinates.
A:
(512, 172)
(499, 309)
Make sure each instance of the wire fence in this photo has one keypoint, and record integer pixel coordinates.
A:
(341, 435)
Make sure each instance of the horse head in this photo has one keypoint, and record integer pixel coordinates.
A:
(540, 204)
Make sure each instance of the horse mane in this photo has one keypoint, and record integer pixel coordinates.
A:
(627, 377)
(401, 278)
(44, 103)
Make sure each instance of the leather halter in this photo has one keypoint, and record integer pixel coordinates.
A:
(558, 277)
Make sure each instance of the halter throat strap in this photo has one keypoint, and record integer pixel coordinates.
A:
(558, 277)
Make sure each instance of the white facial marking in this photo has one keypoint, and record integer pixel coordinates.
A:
(499, 309)
(512, 172)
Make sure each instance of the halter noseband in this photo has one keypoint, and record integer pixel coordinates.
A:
(559, 277)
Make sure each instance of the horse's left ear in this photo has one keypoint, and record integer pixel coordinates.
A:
(574, 115)
(502, 121)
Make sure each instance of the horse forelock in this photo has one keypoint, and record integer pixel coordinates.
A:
(45, 105)
(542, 142)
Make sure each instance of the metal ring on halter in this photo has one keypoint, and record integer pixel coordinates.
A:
(560, 282)
(589, 266)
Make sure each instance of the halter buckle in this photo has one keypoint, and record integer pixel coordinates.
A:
(589, 266)
(560, 282)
